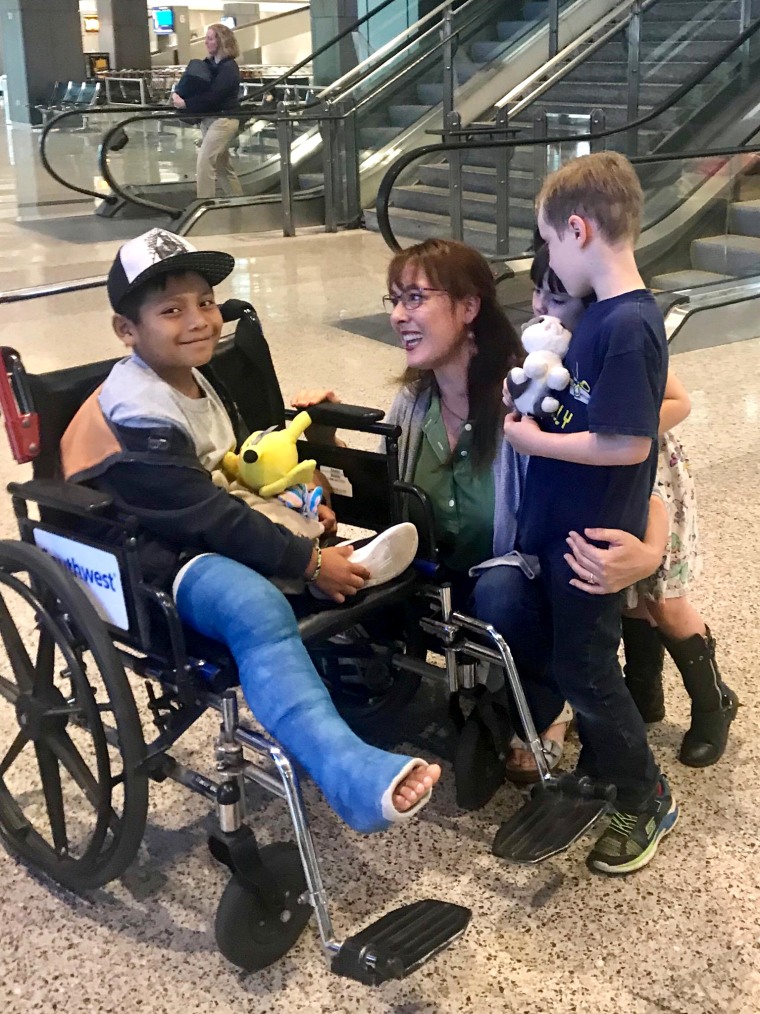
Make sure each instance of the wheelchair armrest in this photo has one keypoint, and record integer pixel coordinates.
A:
(60, 495)
(348, 417)
(428, 550)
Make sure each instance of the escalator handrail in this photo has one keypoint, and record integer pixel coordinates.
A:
(256, 96)
(395, 169)
(561, 64)
(243, 109)
(118, 191)
(356, 76)
(399, 43)
(95, 111)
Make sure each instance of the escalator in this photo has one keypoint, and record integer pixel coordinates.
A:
(391, 100)
(678, 74)
(699, 248)
(497, 64)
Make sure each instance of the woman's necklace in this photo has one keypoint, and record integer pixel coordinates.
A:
(461, 418)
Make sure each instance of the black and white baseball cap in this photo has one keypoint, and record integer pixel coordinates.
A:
(159, 252)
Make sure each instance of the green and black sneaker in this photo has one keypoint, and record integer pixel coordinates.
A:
(631, 839)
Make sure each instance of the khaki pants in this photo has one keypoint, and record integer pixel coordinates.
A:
(214, 158)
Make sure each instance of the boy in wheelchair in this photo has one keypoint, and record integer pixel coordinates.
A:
(150, 437)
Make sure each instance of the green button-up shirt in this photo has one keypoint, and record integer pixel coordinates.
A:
(463, 497)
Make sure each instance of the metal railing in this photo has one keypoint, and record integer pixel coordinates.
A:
(471, 136)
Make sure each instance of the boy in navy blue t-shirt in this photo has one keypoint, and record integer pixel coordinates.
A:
(593, 466)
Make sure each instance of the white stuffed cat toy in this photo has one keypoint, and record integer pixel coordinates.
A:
(546, 341)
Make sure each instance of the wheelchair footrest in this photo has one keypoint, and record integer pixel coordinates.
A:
(557, 814)
(400, 941)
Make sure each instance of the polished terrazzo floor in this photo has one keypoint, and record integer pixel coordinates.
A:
(680, 937)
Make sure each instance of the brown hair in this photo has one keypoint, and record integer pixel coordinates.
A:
(603, 187)
(228, 44)
(461, 271)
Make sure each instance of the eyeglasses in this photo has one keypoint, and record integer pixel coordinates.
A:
(410, 299)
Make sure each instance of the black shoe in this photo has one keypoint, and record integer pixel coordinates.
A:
(644, 655)
(705, 742)
(119, 140)
(631, 839)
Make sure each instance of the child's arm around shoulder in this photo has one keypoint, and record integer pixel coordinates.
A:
(676, 404)
(526, 436)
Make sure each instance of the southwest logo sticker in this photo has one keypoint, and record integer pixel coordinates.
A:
(95, 571)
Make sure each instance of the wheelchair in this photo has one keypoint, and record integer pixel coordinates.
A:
(77, 612)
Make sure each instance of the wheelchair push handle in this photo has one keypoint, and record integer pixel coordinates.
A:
(22, 423)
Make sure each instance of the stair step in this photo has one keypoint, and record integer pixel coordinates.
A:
(377, 137)
(477, 207)
(406, 115)
(596, 93)
(508, 29)
(688, 10)
(308, 180)
(652, 50)
(675, 71)
(522, 158)
(430, 92)
(486, 51)
(687, 279)
(419, 225)
(737, 256)
(744, 218)
(478, 179)
(535, 9)
(689, 31)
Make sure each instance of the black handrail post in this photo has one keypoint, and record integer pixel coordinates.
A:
(553, 28)
(447, 36)
(503, 163)
(745, 20)
(284, 139)
(634, 77)
(597, 123)
(353, 210)
(453, 122)
(540, 151)
(330, 172)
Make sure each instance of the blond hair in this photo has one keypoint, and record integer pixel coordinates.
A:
(228, 44)
(603, 187)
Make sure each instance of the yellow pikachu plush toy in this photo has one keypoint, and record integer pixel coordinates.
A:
(267, 475)
(268, 460)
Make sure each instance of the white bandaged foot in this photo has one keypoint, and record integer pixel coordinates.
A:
(389, 810)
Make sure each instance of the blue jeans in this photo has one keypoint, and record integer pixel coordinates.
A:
(235, 605)
(565, 645)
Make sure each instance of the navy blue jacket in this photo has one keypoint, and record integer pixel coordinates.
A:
(223, 92)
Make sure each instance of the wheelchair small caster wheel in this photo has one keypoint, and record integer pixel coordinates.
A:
(252, 933)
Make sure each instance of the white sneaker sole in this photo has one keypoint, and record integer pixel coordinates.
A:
(389, 554)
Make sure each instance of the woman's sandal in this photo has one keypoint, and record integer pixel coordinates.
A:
(520, 775)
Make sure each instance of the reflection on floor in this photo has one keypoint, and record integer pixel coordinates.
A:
(681, 937)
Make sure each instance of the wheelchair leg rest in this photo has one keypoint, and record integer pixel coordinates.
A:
(559, 811)
(400, 942)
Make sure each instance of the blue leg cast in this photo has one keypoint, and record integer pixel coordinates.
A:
(236, 605)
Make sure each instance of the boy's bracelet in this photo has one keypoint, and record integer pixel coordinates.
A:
(318, 568)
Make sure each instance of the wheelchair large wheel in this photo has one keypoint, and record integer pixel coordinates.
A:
(73, 796)
(252, 934)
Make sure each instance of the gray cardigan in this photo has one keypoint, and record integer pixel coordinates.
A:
(509, 468)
